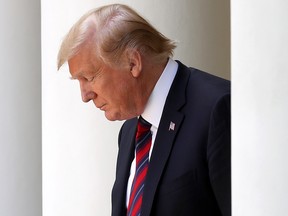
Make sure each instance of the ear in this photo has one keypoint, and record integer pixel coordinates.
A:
(135, 63)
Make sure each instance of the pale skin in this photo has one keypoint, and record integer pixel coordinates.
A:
(121, 92)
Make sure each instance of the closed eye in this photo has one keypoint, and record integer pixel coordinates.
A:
(90, 79)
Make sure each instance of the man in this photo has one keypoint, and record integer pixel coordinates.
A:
(124, 66)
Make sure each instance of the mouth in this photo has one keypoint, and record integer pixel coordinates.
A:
(101, 107)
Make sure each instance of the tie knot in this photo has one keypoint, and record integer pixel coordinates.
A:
(143, 127)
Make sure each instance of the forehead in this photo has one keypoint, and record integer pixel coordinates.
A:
(82, 63)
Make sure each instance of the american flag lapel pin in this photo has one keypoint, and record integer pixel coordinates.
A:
(172, 126)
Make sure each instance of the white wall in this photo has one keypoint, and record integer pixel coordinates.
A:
(79, 144)
(260, 104)
(20, 109)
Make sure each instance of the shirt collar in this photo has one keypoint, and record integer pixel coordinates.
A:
(154, 108)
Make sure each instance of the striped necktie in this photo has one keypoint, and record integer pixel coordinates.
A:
(143, 144)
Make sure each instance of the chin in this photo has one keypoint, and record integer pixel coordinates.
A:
(117, 116)
(112, 117)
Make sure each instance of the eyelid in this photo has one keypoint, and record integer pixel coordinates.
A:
(90, 79)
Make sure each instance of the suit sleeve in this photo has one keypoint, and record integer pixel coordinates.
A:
(219, 153)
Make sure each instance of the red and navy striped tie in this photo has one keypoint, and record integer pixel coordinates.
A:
(143, 144)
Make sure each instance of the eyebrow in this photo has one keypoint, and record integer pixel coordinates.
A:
(83, 75)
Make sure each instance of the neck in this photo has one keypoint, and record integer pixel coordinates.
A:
(149, 77)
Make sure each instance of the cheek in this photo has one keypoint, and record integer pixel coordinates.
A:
(119, 90)
(122, 95)
(123, 99)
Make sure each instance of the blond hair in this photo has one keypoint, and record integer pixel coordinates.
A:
(110, 31)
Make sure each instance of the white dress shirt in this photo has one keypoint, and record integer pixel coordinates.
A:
(153, 110)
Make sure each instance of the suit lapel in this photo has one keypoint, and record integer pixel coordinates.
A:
(170, 124)
(125, 157)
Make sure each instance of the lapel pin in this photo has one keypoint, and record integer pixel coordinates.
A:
(172, 126)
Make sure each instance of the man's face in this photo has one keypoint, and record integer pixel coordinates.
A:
(113, 91)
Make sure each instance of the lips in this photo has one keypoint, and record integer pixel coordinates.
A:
(99, 104)
(101, 107)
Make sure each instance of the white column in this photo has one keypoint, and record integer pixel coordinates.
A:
(260, 104)
(20, 109)
(79, 144)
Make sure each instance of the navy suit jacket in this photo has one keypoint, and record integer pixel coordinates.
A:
(189, 171)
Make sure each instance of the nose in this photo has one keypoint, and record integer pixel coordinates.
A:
(87, 96)
(86, 93)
